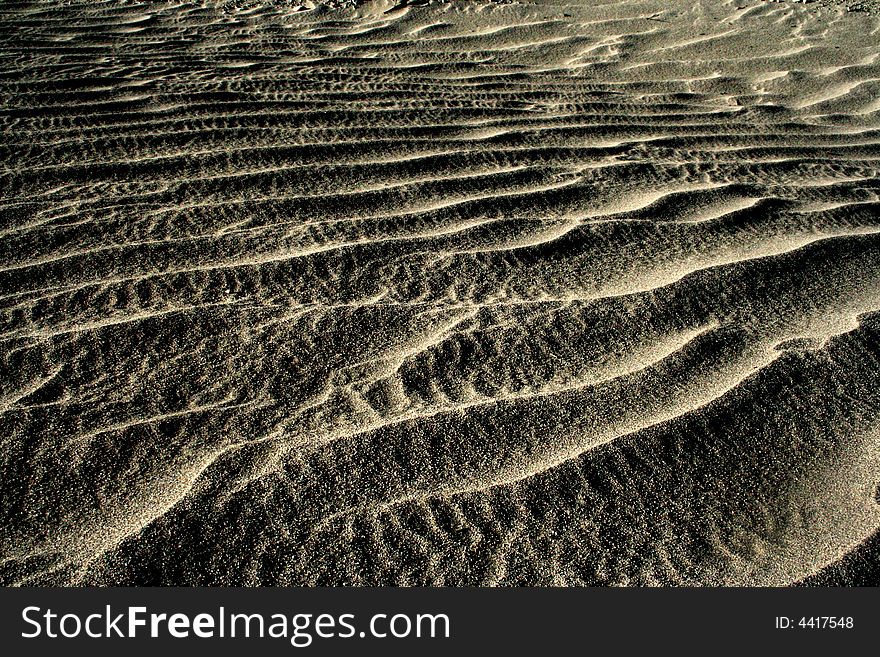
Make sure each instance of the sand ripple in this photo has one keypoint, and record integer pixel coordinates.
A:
(465, 293)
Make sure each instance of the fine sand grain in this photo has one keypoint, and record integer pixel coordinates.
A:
(440, 293)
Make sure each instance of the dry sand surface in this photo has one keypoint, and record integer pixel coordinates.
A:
(440, 293)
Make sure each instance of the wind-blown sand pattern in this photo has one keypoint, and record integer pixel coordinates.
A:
(446, 294)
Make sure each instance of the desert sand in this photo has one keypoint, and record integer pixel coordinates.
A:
(440, 293)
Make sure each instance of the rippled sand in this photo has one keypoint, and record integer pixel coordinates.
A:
(463, 293)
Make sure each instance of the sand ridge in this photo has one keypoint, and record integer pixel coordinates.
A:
(439, 293)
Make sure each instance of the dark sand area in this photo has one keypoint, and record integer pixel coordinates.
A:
(448, 293)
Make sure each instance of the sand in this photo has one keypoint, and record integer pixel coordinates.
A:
(440, 293)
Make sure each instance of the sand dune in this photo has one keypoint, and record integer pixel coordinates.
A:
(440, 293)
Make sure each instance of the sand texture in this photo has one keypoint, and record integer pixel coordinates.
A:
(440, 293)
